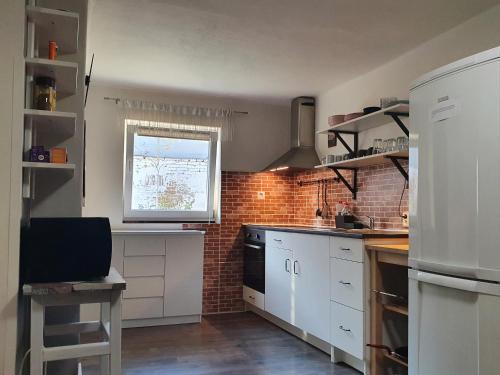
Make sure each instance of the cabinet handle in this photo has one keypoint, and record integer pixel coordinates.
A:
(294, 263)
(251, 297)
(344, 248)
(344, 282)
(287, 269)
(344, 329)
(277, 240)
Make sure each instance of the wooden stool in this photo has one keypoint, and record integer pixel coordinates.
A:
(107, 292)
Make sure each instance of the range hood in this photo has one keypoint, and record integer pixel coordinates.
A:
(302, 154)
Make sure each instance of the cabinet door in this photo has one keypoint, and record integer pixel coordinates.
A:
(278, 296)
(311, 272)
(183, 275)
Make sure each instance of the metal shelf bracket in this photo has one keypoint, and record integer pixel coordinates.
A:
(395, 160)
(352, 188)
(396, 117)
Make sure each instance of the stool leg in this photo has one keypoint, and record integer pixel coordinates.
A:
(105, 316)
(115, 340)
(37, 323)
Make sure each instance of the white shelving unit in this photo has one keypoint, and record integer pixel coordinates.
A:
(59, 123)
(369, 121)
(63, 72)
(354, 127)
(48, 166)
(366, 161)
(53, 24)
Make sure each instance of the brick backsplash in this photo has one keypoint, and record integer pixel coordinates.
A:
(286, 202)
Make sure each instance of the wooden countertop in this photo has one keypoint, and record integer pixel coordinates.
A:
(390, 248)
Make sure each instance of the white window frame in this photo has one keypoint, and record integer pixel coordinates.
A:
(130, 215)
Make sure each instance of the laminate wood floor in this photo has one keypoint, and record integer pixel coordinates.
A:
(242, 343)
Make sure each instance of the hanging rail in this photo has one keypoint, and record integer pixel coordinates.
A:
(318, 181)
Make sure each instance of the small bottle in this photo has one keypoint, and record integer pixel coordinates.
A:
(52, 50)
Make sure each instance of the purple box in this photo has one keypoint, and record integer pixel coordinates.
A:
(39, 155)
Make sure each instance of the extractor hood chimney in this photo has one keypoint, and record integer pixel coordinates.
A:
(302, 154)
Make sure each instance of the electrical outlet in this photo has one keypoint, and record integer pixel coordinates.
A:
(261, 195)
(405, 219)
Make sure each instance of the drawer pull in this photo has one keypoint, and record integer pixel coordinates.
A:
(344, 282)
(277, 240)
(287, 268)
(344, 329)
(251, 297)
(344, 248)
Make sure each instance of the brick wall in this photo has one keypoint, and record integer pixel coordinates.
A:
(286, 203)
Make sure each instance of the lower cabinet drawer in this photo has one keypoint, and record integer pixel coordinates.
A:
(253, 297)
(142, 308)
(346, 280)
(144, 266)
(347, 329)
(138, 287)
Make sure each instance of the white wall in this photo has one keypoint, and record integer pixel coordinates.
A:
(259, 138)
(11, 120)
(394, 78)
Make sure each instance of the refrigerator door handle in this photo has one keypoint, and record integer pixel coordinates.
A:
(448, 282)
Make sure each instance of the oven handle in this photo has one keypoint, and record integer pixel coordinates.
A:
(254, 246)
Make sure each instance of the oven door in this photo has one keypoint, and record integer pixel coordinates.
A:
(254, 266)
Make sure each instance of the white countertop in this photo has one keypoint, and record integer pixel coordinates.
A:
(157, 231)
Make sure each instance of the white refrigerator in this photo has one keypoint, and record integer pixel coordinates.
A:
(454, 280)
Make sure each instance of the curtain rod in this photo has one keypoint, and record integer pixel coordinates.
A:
(117, 100)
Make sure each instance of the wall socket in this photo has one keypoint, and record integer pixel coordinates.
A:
(261, 195)
(405, 220)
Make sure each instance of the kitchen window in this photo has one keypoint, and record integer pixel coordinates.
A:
(172, 173)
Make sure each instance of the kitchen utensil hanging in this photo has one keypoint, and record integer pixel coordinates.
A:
(318, 209)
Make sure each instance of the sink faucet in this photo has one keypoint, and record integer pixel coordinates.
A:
(371, 221)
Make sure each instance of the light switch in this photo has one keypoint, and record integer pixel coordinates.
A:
(261, 195)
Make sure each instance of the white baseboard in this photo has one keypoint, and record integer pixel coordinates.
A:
(186, 319)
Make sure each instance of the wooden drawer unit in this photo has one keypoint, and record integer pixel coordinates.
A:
(142, 308)
(347, 329)
(144, 245)
(253, 297)
(144, 266)
(280, 240)
(138, 287)
(346, 283)
(347, 248)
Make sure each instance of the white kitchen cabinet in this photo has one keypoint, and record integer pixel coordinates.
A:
(164, 273)
(278, 296)
(311, 290)
(183, 275)
(347, 329)
(297, 281)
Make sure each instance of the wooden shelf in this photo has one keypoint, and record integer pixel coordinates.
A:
(63, 72)
(48, 166)
(395, 359)
(57, 123)
(366, 160)
(403, 310)
(369, 121)
(57, 25)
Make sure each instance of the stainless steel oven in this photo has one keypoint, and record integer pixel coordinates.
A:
(254, 259)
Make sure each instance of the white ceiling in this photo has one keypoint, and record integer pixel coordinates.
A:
(259, 48)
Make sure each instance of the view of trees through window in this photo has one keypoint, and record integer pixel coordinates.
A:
(170, 174)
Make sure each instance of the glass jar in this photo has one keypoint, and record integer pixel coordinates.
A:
(44, 97)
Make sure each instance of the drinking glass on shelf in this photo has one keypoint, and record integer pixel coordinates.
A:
(402, 143)
(391, 145)
(377, 146)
